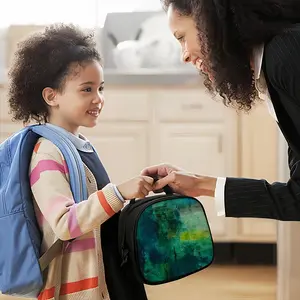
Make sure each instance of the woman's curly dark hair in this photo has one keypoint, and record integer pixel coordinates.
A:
(44, 60)
(228, 32)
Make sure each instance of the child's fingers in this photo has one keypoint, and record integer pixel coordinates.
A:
(145, 192)
(148, 179)
(148, 187)
(142, 193)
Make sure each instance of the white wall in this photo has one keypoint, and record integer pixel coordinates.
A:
(90, 13)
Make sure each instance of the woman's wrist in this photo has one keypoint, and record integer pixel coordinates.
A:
(206, 185)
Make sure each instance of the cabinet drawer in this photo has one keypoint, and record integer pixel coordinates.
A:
(188, 105)
(121, 105)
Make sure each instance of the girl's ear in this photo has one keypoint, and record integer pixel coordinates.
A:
(49, 96)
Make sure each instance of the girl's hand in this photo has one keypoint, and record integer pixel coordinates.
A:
(138, 187)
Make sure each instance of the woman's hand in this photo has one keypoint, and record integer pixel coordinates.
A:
(181, 181)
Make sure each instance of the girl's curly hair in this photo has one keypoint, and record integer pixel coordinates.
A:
(44, 60)
(228, 32)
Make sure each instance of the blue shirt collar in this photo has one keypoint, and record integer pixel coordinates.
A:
(80, 142)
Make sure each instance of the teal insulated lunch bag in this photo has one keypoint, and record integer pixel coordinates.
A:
(165, 238)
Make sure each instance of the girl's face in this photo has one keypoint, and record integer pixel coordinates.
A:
(82, 99)
(185, 31)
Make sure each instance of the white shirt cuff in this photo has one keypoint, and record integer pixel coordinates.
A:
(219, 196)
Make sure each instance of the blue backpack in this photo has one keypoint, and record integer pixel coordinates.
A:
(21, 263)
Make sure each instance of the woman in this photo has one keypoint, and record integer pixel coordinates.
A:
(246, 49)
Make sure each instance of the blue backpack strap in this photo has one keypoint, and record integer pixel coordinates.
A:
(77, 175)
(72, 157)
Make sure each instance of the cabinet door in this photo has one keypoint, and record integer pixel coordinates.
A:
(122, 148)
(259, 152)
(199, 149)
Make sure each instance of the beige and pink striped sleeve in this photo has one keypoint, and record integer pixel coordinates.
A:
(51, 190)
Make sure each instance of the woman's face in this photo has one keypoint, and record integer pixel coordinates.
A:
(185, 31)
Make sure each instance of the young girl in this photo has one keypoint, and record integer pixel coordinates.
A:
(57, 79)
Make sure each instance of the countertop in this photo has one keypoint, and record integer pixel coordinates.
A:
(151, 77)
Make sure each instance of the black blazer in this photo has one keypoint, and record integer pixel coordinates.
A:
(259, 198)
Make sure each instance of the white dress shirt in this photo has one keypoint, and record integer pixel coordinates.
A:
(262, 89)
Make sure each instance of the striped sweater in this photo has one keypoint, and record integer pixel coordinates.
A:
(79, 272)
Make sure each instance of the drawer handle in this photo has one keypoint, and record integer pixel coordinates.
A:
(196, 106)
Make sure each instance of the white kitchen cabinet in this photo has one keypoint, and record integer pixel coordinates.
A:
(192, 133)
(122, 134)
(122, 148)
(184, 104)
(199, 149)
(130, 105)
